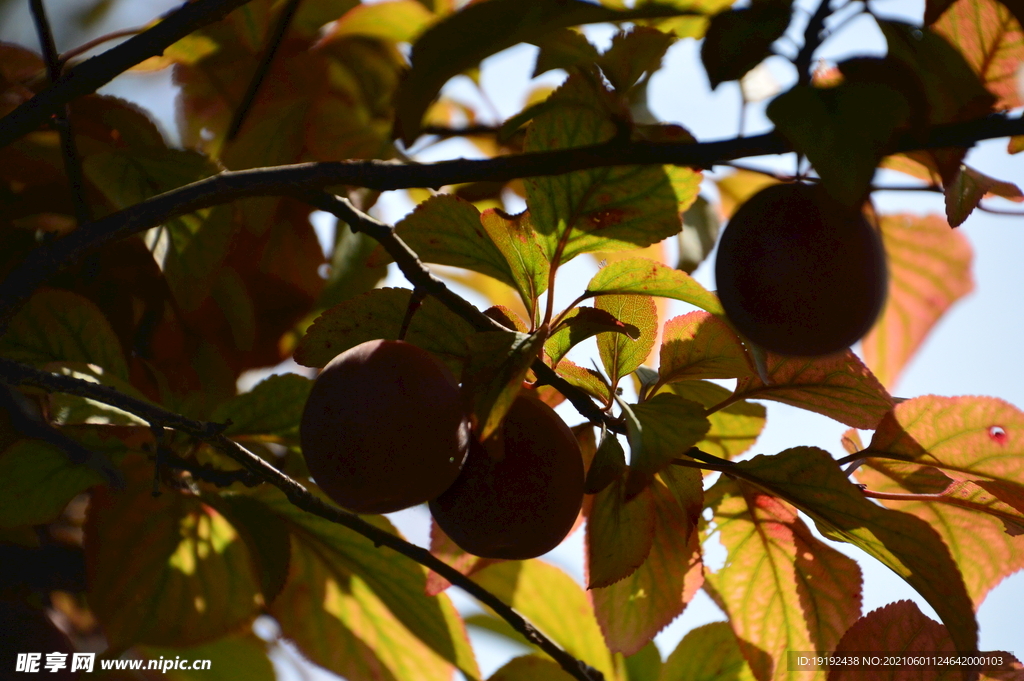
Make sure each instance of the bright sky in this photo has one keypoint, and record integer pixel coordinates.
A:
(975, 349)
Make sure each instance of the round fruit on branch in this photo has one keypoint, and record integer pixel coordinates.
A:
(383, 428)
(520, 491)
(800, 274)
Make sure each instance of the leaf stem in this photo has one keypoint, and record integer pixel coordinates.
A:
(20, 374)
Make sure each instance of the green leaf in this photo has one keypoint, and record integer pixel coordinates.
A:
(60, 326)
(809, 479)
(632, 54)
(173, 555)
(701, 345)
(189, 249)
(232, 297)
(498, 362)
(838, 386)
(554, 603)
(325, 553)
(603, 209)
(644, 665)
(734, 429)
(232, 657)
(273, 407)
(670, 425)
(638, 276)
(447, 230)
(379, 314)
(737, 40)
(479, 31)
(608, 464)
(352, 272)
(266, 536)
(622, 354)
(563, 49)
(37, 480)
(517, 241)
(700, 233)
(707, 653)
(808, 593)
(844, 131)
(619, 533)
(929, 270)
(73, 409)
(636, 608)
(580, 324)
(967, 190)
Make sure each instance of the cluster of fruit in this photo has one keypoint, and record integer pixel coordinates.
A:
(384, 429)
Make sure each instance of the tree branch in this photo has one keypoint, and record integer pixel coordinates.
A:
(388, 175)
(19, 374)
(96, 72)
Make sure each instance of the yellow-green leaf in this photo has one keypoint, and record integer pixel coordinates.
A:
(236, 656)
(273, 407)
(734, 429)
(807, 593)
(929, 270)
(396, 20)
(498, 362)
(37, 480)
(620, 353)
(809, 479)
(586, 379)
(638, 276)
(580, 324)
(838, 386)
(701, 345)
(515, 238)
(670, 425)
(530, 668)
(707, 653)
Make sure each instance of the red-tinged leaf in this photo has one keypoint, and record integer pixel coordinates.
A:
(990, 39)
(782, 588)
(982, 533)
(446, 230)
(734, 429)
(851, 441)
(580, 324)
(530, 668)
(901, 626)
(838, 386)
(61, 326)
(400, 21)
(632, 54)
(517, 241)
(170, 554)
(632, 611)
(37, 480)
(843, 130)
(603, 209)
(588, 380)
(953, 90)
(442, 546)
(917, 164)
(701, 345)
(379, 314)
(619, 533)
(967, 190)
(555, 603)
(507, 318)
(494, 373)
(481, 30)
(809, 479)
(707, 653)
(622, 354)
(929, 270)
(968, 438)
(665, 427)
(933, 9)
(388, 589)
(637, 276)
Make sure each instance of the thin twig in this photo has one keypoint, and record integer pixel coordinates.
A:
(74, 52)
(284, 20)
(467, 131)
(69, 149)
(20, 374)
(813, 35)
